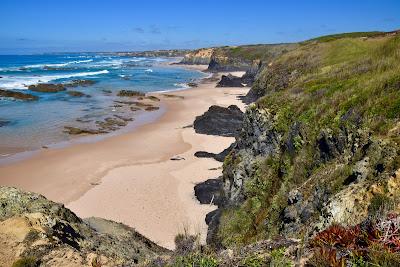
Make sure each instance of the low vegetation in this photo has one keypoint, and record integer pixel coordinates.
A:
(335, 107)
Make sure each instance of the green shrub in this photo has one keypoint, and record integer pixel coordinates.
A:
(254, 261)
(26, 262)
(379, 203)
(278, 258)
(195, 259)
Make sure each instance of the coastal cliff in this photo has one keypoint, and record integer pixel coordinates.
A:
(198, 57)
(242, 58)
(319, 146)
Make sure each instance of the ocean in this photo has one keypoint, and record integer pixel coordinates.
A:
(29, 125)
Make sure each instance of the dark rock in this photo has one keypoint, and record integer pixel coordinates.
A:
(106, 91)
(250, 76)
(151, 108)
(17, 95)
(82, 83)
(230, 81)
(153, 98)
(177, 158)
(173, 96)
(210, 215)
(204, 154)
(219, 121)
(123, 118)
(218, 157)
(4, 122)
(135, 108)
(111, 124)
(191, 84)
(77, 94)
(213, 219)
(142, 105)
(209, 191)
(331, 146)
(78, 131)
(130, 93)
(47, 87)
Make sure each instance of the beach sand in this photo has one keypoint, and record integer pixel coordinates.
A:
(130, 178)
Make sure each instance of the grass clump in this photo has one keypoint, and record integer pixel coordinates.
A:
(26, 262)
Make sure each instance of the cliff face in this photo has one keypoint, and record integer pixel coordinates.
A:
(36, 230)
(243, 58)
(198, 57)
(319, 145)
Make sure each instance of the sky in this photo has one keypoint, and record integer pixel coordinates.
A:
(40, 26)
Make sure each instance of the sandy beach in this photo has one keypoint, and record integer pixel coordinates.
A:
(130, 178)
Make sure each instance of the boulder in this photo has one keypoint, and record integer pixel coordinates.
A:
(153, 98)
(192, 84)
(47, 87)
(130, 93)
(151, 108)
(78, 131)
(76, 83)
(4, 122)
(17, 95)
(77, 94)
(219, 121)
(209, 191)
(230, 81)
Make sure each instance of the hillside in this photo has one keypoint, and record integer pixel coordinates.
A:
(320, 145)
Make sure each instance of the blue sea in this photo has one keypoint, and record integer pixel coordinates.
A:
(31, 125)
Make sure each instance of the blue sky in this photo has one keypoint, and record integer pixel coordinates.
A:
(86, 25)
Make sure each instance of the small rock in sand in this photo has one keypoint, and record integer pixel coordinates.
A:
(177, 158)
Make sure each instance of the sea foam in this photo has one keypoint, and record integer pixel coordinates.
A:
(22, 82)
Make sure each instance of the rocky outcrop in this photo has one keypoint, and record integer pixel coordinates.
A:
(17, 95)
(257, 139)
(250, 76)
(83, 83)
(230, 81)
(82, 131)
(130, 93)
(209, 192)
(218, 157)
(219, 121)
(47, 87)
(32, 227)
(77, 94)
(243, 58)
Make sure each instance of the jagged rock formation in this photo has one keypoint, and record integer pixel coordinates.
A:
(219, 121)
(230, 81)
(319, 144)
(17, 95)
(32, 227)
